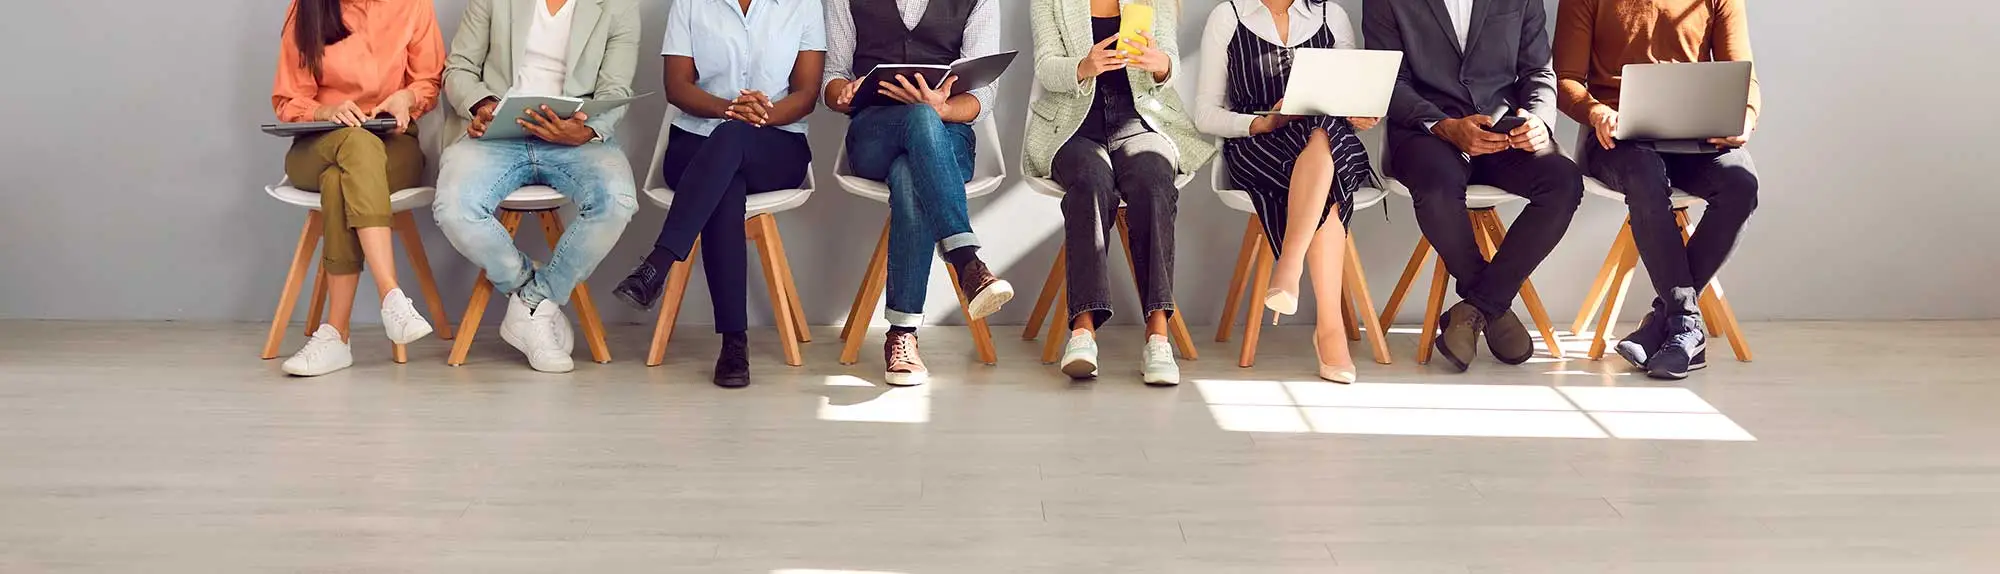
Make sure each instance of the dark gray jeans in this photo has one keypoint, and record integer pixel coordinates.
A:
(1726, 180)
(1137, 167)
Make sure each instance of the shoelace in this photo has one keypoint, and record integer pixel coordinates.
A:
(904, 352)
(318, 346)
(403, 313)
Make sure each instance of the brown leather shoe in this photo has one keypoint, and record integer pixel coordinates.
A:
(905, 366)
(984, 292)
(1458, 334)
(1508, 339)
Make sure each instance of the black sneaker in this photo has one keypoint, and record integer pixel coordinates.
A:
(1686, 346)
(1458, 334)
(732, 368)
(1639, 346)
(642, 288)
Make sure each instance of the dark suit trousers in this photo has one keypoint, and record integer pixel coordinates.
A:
(1437, 175)
(712, 178)
(1726, 180)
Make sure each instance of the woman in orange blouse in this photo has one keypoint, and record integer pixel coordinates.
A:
(348, 61)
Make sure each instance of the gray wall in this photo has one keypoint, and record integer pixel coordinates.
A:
(132, 177)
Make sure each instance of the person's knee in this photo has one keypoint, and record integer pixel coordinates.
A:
(730, 132)
(1561, 182)
(922, 125)
(356, 143)
(1736, 188)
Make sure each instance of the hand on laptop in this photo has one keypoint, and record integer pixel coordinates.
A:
(1363, 124)
(397, 106)
(1532, 136)
(1470, 135)
(1271, 123)
(344, 113)
(1604, 121)
(1749, 125)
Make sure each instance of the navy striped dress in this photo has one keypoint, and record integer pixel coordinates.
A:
(1262, 164)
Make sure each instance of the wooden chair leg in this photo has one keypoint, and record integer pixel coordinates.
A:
(1050, 289)
(1052, 347)
(295, 278)
(1621, 285)
(1402, 289)
(316, 309)
(982, 335)
(1601, 287)
(1357, 287)
(475, 306)
(420, 261)
(1730, 327)
(1246, 259)
(859, 308)
(1440, 277)
(801, 331)
(586, 307)
(670, 306)
(1176, 328)
(1493, 233)
(774, 283)
(1347, 314)
(873, 281)
(1253, 328)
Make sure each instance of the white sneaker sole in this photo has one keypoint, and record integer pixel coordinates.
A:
(1080, 368)
(424, 330)
(1161, 379)
(989, 301)
(907, 379)
(324, 370)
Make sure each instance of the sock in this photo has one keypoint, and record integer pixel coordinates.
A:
(661, 259)
(1157, 339)
(895, 329)
(962, 256)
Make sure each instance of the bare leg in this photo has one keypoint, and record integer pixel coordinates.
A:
(1325, 259)
(380, 252)
(340, 296)
(1312, 180)
(1156, 323)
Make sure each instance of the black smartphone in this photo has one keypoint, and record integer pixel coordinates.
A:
(1506, 124)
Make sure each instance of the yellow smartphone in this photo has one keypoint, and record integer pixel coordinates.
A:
(1134, 17)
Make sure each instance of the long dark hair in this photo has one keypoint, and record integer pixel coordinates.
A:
(316, 25)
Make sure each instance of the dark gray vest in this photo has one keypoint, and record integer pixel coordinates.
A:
(880, 37)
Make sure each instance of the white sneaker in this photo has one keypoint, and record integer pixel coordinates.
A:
(1079, 359)
(324, 353)
(400, 319)
(539, 334)
(1158, 366)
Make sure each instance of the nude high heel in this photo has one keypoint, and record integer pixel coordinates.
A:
(1277, 300)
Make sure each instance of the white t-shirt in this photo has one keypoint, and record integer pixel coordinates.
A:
(545, 60)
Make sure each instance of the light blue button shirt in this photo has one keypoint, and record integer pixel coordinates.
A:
(734, 51)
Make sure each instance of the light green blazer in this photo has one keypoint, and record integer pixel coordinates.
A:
(603, 54)
(1062, 37)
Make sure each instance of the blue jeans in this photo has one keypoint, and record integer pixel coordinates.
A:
(926, 163)
(475, 175)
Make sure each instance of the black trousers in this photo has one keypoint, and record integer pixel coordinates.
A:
(712, 178)
(1136, 166)
(1437, 175)
(1726, 180)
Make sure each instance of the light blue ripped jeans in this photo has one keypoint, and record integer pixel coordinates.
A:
(475, 175)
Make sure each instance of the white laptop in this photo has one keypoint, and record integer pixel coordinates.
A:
(1341, 83)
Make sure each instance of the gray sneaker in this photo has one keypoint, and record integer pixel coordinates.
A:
(1158, 367)
(1079, 359)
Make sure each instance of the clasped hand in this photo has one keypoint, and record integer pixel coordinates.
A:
(751, 107)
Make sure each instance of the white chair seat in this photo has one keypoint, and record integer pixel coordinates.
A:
(1682, 199)
(988, 171)
(534, 198)
(1049, 187)
(1239, 200)
(1476, 196)
(756, 204)
(399, 202)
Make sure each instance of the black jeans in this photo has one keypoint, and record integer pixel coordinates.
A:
(1726, 180)
(712, 177)
(1437, 174)
(1136, 166)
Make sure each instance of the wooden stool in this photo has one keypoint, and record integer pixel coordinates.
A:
(1614, 280)
(542, 202)
(1480, 201)
(400, 203)
(987, 174)
(1253, 274)
(1054, 296)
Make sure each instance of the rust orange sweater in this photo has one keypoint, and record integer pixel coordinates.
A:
(1595, 39)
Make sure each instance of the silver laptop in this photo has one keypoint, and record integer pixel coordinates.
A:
(1341, 83)
(1677, 107)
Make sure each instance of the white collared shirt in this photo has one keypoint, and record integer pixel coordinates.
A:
(545, 59)
(1461, 18)
(1211, 91)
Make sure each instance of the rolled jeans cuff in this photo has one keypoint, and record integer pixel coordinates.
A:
(1168, 307)
(956, 241)
(901, 319)
(1099, 311)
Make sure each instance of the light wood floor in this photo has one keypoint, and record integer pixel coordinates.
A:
(164, 447)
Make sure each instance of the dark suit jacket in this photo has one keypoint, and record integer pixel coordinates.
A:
(1505, 61)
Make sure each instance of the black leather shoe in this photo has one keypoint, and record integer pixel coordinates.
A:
(642, 288)
(1458, 334)
(732, 368)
